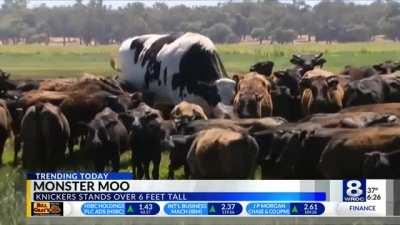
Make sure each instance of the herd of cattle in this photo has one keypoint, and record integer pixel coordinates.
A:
(172, 94)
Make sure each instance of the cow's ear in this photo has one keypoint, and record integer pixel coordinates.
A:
(236, 78)
(200, 114)
(175, 111)
(296, 59)
(332, 81)
(378, 67)
(252, 68)
(320, 62)
(136, 98)
(397, 65)
(279, 73)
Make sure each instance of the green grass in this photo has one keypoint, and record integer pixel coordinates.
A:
(57, 61)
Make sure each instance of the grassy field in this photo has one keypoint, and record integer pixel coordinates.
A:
(37, 61)
(57, 61)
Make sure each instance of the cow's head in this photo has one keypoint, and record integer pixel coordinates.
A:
(5, 82)
(98, 131)
(264, 68)
(226, 90)
(321, 94)
(387, 67)
(123, 102)
(146, 124)
(308, 62)
(185, 112)
(288, 79)
(377, 165)
(253, 96)
(97, 136)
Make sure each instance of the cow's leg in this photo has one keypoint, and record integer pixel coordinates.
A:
(156, 166)
(171, 173)
(139, 169)
(146, 165)
(82, 141)
(71, 143)
(156, 170)
(186, 171)
(17, 147)
(115, 160)
(2, 142)
(99, 165)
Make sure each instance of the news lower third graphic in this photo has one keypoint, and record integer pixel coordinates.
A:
(120, 195)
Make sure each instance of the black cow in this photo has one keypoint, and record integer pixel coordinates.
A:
(264, 68)
(107, 137)
(372, 90)
(305, 63)
(148, 138)
(174, 68)
(387, 67)
(44, 133)
(286, 94)
(380, 165)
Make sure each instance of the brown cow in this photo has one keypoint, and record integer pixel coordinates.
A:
(351, 119)
(317, 72)
(251, 125)
(389, 108)
(44, 133)
(253, 96)
(343, 157)
(222, 154)
(185, 112)
(321, 94)
(5, 126)
(357, 73)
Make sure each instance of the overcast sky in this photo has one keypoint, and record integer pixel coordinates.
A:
(190, 3)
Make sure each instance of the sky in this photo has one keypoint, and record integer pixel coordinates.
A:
(190, 3)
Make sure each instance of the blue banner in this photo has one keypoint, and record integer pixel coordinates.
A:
(179, 196)
(79, 176)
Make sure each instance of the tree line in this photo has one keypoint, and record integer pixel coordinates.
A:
(94, 22)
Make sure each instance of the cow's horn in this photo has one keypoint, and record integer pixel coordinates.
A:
(319, 55)
(297, 56)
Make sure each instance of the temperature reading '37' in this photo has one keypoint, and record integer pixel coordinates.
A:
(373, 193)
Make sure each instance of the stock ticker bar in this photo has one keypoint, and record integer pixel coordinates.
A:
(119, 195)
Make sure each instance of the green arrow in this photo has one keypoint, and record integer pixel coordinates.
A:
(212, 209)
(130, 210)
(294, 210)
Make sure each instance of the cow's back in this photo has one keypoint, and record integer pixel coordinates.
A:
(221, 153)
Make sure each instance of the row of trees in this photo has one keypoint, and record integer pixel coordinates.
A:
(330, 20)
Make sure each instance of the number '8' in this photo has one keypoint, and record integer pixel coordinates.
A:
(353, 188)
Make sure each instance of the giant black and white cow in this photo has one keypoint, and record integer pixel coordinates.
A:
(174, 68)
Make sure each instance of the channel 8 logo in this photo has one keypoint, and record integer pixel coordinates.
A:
(354, 190)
